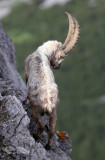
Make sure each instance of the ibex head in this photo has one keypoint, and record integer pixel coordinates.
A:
(72, 37)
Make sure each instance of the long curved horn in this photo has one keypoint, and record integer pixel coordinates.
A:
(73, 34)
(71, 29)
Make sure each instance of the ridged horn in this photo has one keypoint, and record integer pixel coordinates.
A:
(71, 29)
(73, 34)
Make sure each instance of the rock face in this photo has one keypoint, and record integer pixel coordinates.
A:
(16, 122)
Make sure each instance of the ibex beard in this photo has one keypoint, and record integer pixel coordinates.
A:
(42, 91)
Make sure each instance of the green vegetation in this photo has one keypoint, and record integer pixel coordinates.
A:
(81, 79)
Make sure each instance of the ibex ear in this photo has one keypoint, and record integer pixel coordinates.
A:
(59, 45)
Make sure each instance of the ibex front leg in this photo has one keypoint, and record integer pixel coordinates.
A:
(52, 122)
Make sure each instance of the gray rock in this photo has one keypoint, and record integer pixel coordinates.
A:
(16, 122)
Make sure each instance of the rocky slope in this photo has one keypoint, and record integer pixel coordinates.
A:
(16, 122)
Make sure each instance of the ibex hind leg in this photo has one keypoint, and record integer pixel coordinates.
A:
(36, 111)
(52, 123)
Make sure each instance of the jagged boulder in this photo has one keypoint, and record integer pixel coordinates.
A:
(16, 122)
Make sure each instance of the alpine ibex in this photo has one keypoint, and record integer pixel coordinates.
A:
(42, 90)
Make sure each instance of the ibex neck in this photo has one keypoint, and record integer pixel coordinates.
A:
(48, 48)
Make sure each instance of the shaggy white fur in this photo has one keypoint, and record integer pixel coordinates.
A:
(41, 82)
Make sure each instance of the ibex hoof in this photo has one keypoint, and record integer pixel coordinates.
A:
(36, 136)
(47, 147)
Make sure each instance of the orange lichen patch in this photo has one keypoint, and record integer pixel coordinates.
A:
(63, 136)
